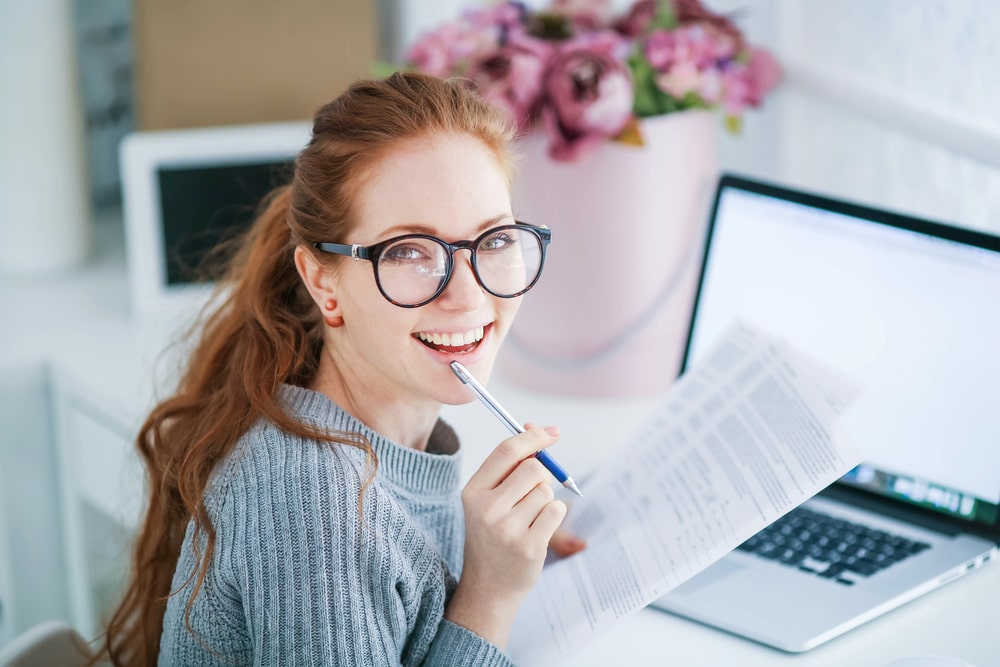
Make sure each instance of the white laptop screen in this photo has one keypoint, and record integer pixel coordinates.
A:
(914, 318)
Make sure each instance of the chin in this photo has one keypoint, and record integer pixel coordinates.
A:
(454, 399)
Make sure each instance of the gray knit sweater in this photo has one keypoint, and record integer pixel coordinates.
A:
(297, 579)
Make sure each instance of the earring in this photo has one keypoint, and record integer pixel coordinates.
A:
(332, 321)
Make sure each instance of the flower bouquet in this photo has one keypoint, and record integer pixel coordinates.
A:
(585, 74)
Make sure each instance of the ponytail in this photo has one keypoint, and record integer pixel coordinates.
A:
(265, 333)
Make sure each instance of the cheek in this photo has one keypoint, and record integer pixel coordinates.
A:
(506, 310)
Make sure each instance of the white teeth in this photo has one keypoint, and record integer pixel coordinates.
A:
(455, 339)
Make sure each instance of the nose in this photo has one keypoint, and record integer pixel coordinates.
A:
(463, 291)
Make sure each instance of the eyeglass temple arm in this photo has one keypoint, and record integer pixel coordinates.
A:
(354, 251)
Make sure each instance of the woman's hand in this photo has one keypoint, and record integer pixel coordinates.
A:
(511, 515)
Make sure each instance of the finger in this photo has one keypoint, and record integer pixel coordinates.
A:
(531, 504)
(528, 474)
(502, 460)
(565, 543)
(548, 519)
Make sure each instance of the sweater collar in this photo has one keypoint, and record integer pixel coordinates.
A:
(435, 471)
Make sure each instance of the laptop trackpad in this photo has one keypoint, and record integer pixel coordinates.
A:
(710, 576)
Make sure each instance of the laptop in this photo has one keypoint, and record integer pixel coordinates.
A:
(909, 309)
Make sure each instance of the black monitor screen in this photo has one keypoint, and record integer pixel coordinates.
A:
(202, 206)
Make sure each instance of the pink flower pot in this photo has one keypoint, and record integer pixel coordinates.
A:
(609, 316)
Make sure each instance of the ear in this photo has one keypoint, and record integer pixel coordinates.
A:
(321, 282)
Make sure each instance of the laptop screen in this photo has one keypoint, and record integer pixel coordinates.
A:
(908, 309)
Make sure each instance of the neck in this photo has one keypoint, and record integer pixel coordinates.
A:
(406, 422)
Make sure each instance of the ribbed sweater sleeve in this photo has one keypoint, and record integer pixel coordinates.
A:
(299, 578)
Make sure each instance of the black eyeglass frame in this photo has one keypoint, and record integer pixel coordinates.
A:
(372, 253)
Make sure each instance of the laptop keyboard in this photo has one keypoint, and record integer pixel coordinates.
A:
(829, 547)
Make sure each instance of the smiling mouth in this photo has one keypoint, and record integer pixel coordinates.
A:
(459, 342)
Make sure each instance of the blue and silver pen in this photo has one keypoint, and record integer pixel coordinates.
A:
(487, 399)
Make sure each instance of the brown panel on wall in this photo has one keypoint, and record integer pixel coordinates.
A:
(224, 62)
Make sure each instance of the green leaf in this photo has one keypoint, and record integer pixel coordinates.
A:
(383, 70)
(644, 80)
(664, 18)
(734, 124)
(552, 26)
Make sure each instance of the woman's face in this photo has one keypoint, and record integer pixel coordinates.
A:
(449, 186)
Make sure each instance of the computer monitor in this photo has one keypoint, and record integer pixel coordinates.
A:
(185, 191)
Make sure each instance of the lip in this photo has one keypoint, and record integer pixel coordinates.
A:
(465, 358)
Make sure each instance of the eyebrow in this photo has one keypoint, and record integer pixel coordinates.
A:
(427, 229)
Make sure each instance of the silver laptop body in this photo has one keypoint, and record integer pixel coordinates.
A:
(909, 309)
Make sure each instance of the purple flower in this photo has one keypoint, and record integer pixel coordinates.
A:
(636, 22)
(588, 99)
(447, 50)
(694, 12)
(511, 77)
(451, 48)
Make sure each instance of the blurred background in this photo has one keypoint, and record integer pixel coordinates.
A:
(892, 103)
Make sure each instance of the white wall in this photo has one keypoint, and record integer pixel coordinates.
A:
(894, 103)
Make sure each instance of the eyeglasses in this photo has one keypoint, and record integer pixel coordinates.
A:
(412, 270)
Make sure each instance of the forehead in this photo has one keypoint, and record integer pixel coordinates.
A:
(449, 184)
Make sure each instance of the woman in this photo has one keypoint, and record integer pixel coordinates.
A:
(304, 504)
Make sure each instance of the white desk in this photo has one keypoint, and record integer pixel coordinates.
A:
(69, 344)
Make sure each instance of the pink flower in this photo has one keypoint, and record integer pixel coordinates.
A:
(589, 99)
(664, 49)
(447, 51)
(506, 15)
(735, 89)
(710, 87)
(694, 12)
(745, 85)
(679, 80)
(637, 20)
(511, 77)
(763, 73)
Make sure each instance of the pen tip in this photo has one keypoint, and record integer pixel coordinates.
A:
(571, 485)
(459, 370)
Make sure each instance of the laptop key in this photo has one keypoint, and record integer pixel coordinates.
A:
(863, 568)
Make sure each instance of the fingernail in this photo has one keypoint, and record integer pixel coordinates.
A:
(552, 430)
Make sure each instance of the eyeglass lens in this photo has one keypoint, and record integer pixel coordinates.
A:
(413, 269)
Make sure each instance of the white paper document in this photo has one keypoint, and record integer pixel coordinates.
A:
(742, 438)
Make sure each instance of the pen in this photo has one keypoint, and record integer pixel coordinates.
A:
(487, 399)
